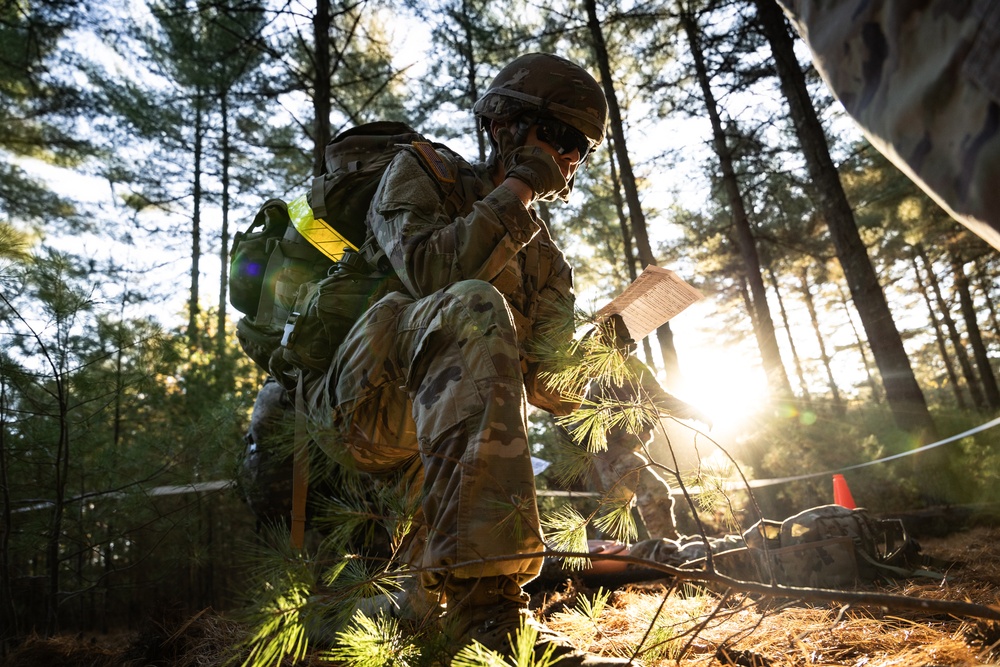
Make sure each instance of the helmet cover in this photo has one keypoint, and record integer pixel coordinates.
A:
(548, 85)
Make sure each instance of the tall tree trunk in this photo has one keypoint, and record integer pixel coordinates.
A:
(764, 329)
(748, 302)
(638, 219)
(9, 626)
(629, 251)
(838, 403)
(53, 552)
(986, 376)
(226, 149)
(986, 287)
(906, 400)
(803, 386)
(961, 355)
(939, 336)
(471, 85)
(194, 309)
(321, 97)
(862, 348)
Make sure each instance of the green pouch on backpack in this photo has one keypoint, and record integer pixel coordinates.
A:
(324, 313)
(251, 252)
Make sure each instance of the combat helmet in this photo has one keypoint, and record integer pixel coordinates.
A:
(546, 84)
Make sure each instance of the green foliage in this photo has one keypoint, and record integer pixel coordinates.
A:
(592, 608)
(93, 417)
(377, 642)
(524, 654)
(101, 402)
(285, 580)
(477, 655)
(714, 482)
(660, 643)
(350, 568)
(616, 520)
(566, 530)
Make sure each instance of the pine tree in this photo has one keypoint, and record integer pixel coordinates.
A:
(902, 391)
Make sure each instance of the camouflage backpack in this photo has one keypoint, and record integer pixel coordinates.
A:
(279, 262)
(299, 279)
(831, 546)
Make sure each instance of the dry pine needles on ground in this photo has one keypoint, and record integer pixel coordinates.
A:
(684, 626)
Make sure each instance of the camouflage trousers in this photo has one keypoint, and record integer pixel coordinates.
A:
(431, 390)
(623, 472)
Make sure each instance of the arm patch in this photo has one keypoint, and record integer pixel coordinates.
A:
(434, 161)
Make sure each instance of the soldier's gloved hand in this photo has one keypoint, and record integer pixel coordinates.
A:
(671, 406)
(614, 333)
(539, 170)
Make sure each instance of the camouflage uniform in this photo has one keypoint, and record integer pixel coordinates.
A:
(625, 471)
(435, 380)
(923, 81)
(266, 471)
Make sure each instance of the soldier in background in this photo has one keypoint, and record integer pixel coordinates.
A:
(626, 471)
(923, 81)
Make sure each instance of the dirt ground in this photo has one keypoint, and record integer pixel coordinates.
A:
(692, 626)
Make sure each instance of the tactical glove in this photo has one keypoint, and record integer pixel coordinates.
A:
(614, 333)
(539, 170)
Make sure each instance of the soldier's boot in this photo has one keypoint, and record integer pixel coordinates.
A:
(491, 610)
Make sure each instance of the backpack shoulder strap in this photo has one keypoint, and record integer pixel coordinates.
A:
(300, 469)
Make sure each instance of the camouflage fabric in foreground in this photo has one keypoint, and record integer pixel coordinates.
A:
(923, 81)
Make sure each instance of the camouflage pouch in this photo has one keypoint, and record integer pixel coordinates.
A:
(258, 342)
(251, 252)
(269, 261)
(324, 313)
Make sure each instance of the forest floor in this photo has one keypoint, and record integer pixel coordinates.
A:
(694, 626)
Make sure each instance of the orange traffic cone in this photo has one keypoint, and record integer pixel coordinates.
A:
(841, 493)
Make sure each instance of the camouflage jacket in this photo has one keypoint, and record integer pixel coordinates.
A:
(439, 220)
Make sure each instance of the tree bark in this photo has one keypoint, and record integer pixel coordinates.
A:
(872, 384)
(903, 394)
(985, 286)
(321, 94)
(53, 551)
(764, 328)
(471, 85)
(226, 149)
(194, 308)
(663, 334)
(838, 403)
(9, 629)
(986, 376)
(961, 355)
(629, 251)
(803, 386)
(939, 337)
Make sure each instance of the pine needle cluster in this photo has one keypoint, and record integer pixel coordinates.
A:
(373, 642)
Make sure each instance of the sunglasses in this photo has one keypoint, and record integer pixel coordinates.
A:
(564, 138)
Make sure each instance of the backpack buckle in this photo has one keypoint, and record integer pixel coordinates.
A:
(289, 332)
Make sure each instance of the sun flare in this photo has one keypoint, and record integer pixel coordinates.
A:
(725, 384)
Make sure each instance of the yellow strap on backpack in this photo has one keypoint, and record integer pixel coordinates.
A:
(320, 235)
